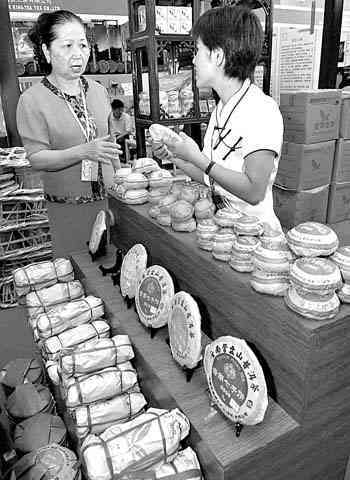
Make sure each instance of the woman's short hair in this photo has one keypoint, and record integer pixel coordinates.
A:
(44, 32)
(238, 32)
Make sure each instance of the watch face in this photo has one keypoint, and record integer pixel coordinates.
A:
(185, 330)
(154, 294)
(98, 229)
(236, 380)
(133, 266)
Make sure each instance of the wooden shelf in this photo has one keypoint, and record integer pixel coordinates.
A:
(164, 384)
(307, 362)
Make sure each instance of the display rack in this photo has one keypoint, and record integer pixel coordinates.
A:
(305, 363)
(24, 233)
(153, 52)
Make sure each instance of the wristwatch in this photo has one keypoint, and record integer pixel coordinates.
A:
(209, 167)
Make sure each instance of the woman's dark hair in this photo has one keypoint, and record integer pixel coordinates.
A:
(44, 32)
(238, 32)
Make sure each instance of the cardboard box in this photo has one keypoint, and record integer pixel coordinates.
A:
(185, 20)
(311, 116)
(305, 166)
(344, 128)
(338, 202)
(293, 207)
(161, 19)
(341, 164)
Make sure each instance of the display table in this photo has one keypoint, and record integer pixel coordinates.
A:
(306, 362)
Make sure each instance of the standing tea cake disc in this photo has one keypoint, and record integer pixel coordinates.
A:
(97, 231)
(236, 380)
(133, 266)
(185, 330)
(154, 294)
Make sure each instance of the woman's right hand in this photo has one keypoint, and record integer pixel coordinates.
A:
(161, 151)
(102, 150)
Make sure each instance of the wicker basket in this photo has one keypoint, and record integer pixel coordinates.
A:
(28, 239)
(28, 178)
(22, 208)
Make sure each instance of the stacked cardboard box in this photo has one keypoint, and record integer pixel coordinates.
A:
(339, 191)
(311, 127)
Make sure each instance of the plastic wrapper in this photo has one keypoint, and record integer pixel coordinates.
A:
(150, 438)
(99, 386)
(99, 416)
(37, 276)
(28, 400)
(69, 315)
(100, 354)
(43, 300)
(74, 337)
(19, 371)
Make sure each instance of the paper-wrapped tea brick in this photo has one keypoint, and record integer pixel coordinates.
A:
(184, 466)
(75, 336)
(99, 416)
(43, 300)
(99, 354)
(28, 400)
(69, 315)
(150, 438)
(41, 275)
(99, 386)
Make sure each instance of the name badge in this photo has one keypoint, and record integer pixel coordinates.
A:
(89, 171)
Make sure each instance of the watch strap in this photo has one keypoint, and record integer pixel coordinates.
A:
(209, 167)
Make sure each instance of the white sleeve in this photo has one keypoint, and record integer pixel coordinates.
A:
(264, 130)
(207, 143)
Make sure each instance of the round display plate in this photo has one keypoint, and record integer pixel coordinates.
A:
(236, 380)
(185, 330)
(154, 294)
(133, 266)
(97, 231)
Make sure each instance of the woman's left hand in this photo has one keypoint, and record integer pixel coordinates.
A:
(186, 149)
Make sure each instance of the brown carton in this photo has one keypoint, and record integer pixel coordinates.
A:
(305, 166)
(341, 164)
(293, 207)
(310, 116)
(338, 202)
(344, 128)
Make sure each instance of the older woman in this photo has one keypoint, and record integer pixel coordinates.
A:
(63, 122)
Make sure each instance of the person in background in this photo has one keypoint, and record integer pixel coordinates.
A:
(63, 123)
(244, 137)
(120, 124)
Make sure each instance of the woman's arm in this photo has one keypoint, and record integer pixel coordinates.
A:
(250, 185)
(99, 150)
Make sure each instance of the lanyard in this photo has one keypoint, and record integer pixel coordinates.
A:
(86, 132)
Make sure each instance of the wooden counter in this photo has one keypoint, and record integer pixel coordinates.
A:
(306, 360)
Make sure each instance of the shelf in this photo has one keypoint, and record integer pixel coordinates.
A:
(221, 454)
(306, 361)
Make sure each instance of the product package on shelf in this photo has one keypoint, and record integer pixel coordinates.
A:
(69, 315)
(150, 438)
(96, 355)
(41, 275)
(43, 300)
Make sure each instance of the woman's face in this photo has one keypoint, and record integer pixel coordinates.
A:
(203, 65)
(69, 52)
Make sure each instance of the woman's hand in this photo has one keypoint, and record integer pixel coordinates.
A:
(186, 149)
(103, 150)
(161, 151)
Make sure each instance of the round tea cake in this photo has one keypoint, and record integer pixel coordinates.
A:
(121, 174)
(248, 225)
(133, 266)
(204, 208)
(181, 211)
(236, 380)
(145, 165)
(135, 197)
(317, 307)
(271, 283)
(315, 274)
(160, 178)
(342, 258)
(273, 260)
(312, 239)
(344, 293)
(227, 217)
(154, 294)
(135, 181)
(185, 330)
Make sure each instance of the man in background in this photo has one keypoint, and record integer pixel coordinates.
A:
(120, 124)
